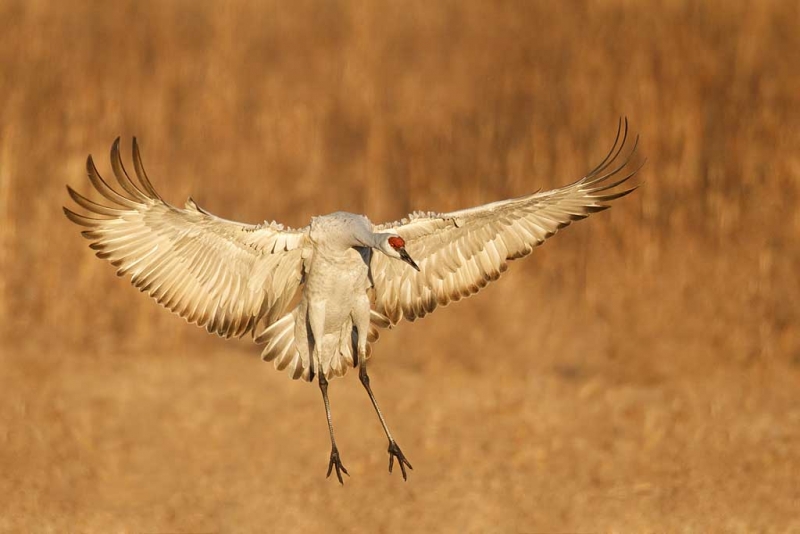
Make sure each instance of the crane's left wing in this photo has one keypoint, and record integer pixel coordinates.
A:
(458, 253)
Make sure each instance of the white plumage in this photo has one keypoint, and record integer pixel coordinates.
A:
(234, 278)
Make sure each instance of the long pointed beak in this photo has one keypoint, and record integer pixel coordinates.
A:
(406, 258)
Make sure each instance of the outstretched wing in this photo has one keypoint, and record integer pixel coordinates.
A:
(223, 275)
(458, 253)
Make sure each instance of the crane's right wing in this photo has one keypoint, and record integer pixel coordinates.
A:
(458, 253)
(223, 275)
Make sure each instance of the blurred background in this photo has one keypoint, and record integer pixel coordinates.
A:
(639, 372)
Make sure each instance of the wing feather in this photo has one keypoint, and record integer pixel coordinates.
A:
(460, 252)
(219, 274)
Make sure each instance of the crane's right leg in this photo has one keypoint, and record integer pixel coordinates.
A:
(335, 461)
(316, 320)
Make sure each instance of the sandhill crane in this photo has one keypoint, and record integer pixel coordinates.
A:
(356, 277)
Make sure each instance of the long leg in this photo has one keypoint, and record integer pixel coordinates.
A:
(316, 321)
(394, 449)
(361, 320)
(334, 461)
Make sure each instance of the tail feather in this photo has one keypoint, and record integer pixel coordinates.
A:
(281, 346)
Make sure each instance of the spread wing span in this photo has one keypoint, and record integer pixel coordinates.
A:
(458, 253)
(222, 275)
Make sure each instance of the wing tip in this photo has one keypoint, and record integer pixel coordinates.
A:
(81, 220)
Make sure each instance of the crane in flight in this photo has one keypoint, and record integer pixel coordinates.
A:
(355, 277)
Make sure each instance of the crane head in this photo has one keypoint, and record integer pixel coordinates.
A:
(397, 249)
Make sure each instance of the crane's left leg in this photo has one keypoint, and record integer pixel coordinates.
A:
(362, 327)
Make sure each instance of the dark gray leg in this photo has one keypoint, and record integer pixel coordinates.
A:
(334, 461)
(394, 450)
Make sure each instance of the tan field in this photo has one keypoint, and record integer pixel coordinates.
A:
(638, 373)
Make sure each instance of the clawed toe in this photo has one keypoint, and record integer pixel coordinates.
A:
(395, 452)
(336, 462)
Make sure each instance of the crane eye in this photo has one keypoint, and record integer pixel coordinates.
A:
(396, 242)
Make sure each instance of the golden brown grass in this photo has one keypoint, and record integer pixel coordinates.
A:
(641, 372)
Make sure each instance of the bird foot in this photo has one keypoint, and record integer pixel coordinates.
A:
(336, 462)
(395, 452)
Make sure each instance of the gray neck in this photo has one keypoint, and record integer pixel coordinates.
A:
(373, 240)
(363, 236)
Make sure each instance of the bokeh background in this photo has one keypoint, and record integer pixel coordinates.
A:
(640, 372)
